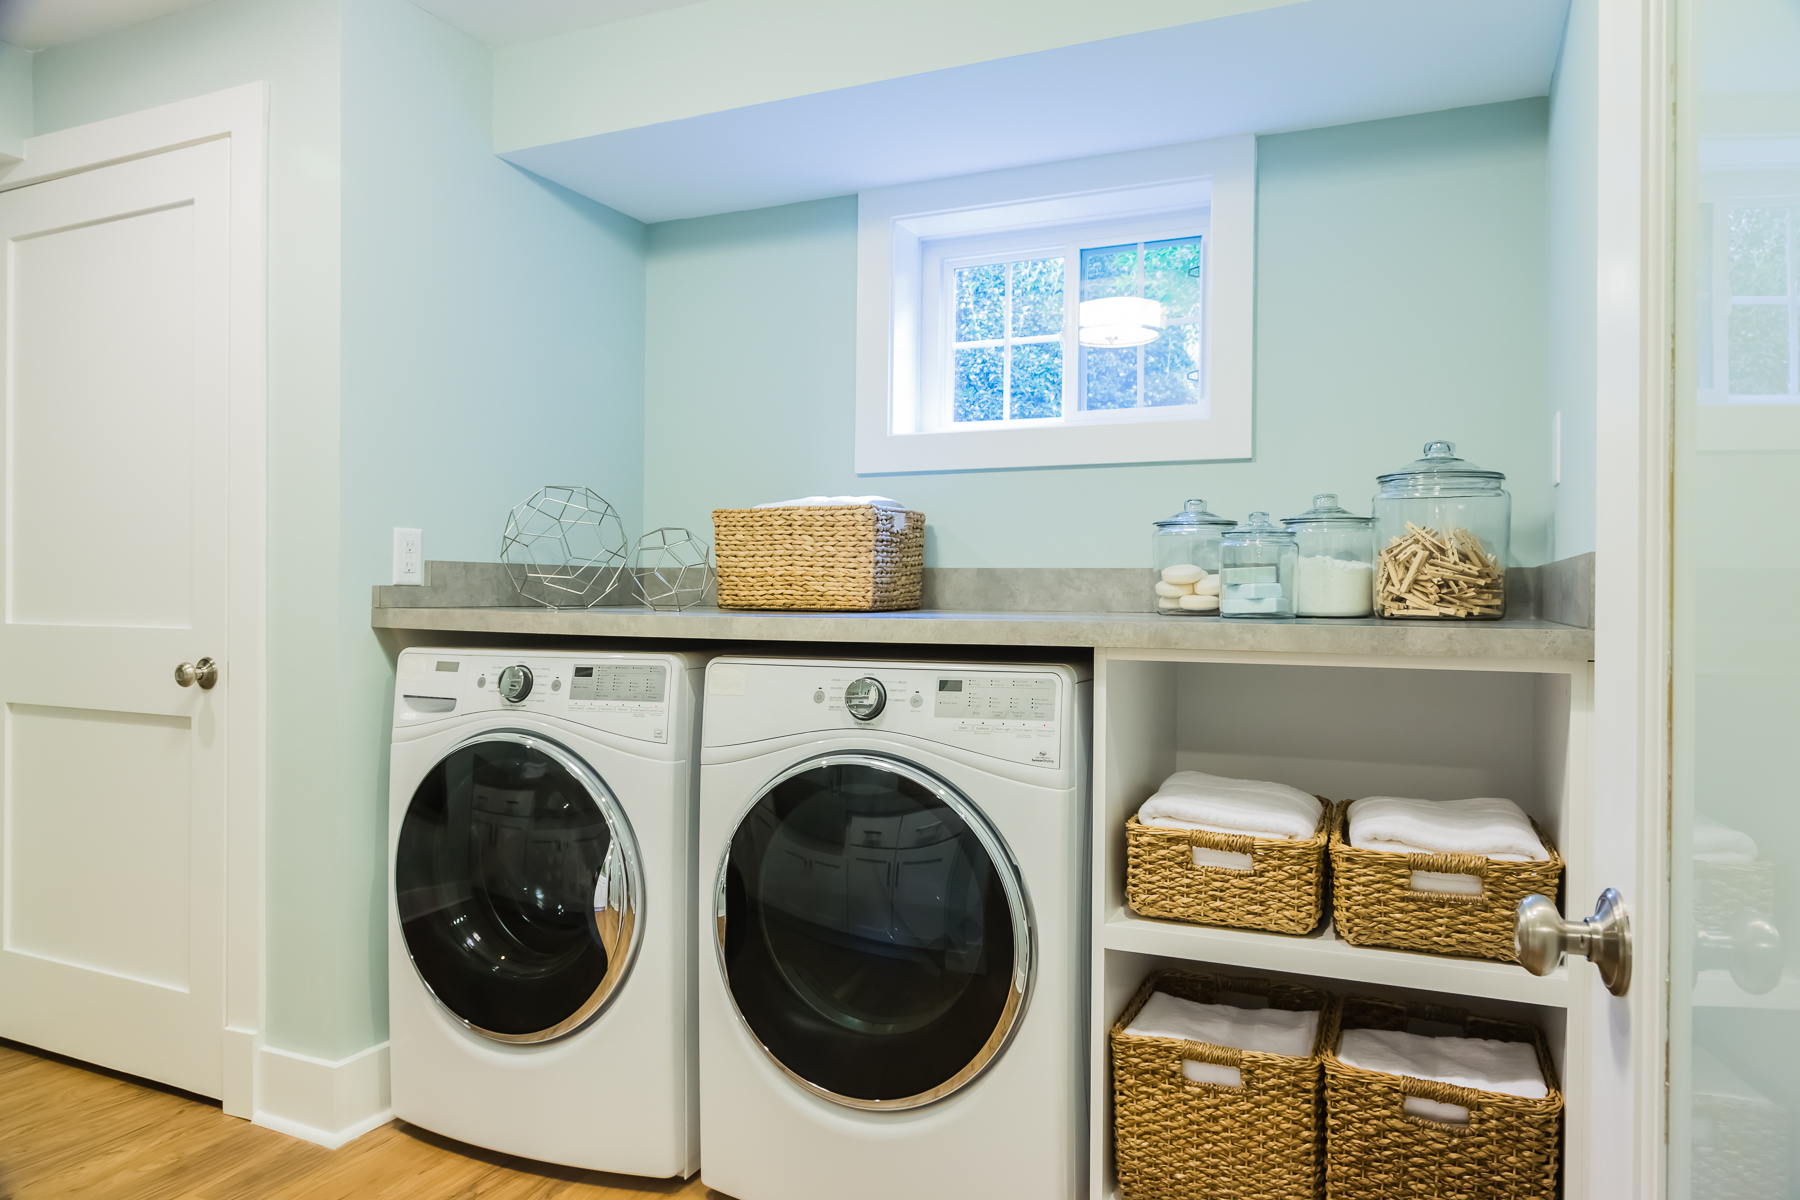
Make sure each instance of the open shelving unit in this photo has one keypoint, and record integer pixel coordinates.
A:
(1341, 726)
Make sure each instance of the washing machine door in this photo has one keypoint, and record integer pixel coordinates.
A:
(518, 884)
(874, 931)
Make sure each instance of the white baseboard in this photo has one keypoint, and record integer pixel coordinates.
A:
(328, 1103)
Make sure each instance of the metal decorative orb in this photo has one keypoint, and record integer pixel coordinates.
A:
(564, 548)
(673, 569)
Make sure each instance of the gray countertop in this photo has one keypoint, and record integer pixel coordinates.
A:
(1523, 638)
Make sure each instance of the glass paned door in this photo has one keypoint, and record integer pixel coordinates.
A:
(1734, 990)
(873, 932)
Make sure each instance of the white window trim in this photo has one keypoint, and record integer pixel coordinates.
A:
(894, 225)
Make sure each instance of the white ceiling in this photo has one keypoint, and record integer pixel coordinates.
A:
(1299, 66)
(39, 24)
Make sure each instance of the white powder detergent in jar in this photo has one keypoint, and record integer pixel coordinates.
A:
(1335, 575)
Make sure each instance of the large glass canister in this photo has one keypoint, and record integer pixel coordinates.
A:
(1256, 569)
(1442, 532)
(1185, 551)
(1334, 575)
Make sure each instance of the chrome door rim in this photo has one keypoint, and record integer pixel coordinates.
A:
(1018, 904)
(622, 927)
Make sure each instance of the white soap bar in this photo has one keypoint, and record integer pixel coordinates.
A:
(1167, 602)
(1207, 587)
(1254, 604)
(1199, 603)
(1254, 591)
(1183, 573)
(1174, 589)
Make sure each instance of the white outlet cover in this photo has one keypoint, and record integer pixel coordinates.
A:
(409, 557)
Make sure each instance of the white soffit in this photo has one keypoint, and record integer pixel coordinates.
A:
(513, 21)
(1301, 66)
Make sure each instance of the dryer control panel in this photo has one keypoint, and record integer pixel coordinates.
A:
(1017, 714)
(629, 697)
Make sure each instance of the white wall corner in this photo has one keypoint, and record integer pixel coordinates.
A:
(320, 1101)
(15, 102)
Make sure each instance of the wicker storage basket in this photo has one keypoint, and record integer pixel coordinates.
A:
(1375, 1151)
(1374, 904)
(1176, 1138)
(1283, 891)
(856, 558)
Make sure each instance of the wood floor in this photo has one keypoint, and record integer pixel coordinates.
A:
(67, 1130)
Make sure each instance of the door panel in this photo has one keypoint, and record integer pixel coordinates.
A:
(113, 523)
(117, 904)
(101, 421)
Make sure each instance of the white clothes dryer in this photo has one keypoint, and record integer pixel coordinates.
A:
(893, 981)
(540, 929)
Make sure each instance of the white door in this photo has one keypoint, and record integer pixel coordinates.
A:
(113, 533)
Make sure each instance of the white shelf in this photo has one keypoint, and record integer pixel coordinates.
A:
(1323, 955)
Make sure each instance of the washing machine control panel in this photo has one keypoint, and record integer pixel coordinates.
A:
(621, 696)
(1012, 715)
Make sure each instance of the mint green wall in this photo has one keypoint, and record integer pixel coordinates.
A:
(1401, 291)
(15, 101)
(317, 894)
(1574, 283)
(493, 343)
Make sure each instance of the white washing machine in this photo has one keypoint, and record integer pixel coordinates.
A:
(893, 974)
(540, 927)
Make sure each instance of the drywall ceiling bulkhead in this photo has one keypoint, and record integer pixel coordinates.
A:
(1273, 68)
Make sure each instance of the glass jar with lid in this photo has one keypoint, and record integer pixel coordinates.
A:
(1442, 532)
(1256, 569)
(1334, 574)
(1185, 551)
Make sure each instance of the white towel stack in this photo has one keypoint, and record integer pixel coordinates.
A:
(1196, 800)
(1486, 825)
(1716, 843)
(1510, 1068)
(835, 502)
(1259, 1030)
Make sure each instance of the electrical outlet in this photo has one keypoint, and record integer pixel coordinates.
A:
(409, 557)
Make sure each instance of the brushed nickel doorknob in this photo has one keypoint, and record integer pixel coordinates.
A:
(205, 673)
(1541, 938)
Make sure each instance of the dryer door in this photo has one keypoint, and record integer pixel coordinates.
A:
(518, 884)
(874, 931)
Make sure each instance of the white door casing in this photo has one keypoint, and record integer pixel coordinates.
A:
(132, 514)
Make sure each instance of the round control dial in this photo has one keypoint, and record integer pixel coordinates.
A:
(865, 698)
(515, 683)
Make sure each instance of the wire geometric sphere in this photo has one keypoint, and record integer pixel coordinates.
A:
(564, 548)
(673, 569)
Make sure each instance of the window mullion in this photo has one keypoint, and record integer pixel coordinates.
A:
(1006, 332)
(1793, 334)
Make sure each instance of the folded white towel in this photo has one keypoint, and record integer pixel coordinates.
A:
(1196, 800)
(1486, 825)
(1260, 1030)
(835, 502)
(1716, 843)
(1510, 1068)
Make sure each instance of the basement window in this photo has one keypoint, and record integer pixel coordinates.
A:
(1004, 324)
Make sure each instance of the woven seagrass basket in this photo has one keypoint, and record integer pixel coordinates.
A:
(856, 558)
(1508, 1150)
(1374, 904)
(1740, 1151)
(1176, 1138)
(1283, 891)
